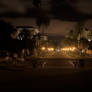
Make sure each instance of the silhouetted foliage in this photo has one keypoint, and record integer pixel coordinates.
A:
(36, 3)
(15, 45)
(5, 35)
(27, 42)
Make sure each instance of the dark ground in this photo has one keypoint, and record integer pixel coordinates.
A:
(47, 79)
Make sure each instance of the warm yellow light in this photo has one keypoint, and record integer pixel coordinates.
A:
(50, 49)
(68, 49)
(43, 48)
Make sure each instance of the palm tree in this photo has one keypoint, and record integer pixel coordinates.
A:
(43, 20)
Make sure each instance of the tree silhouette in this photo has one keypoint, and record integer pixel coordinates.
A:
(7, 43)
(5, 35)
(27, 43)
(42, 19)
(36, 3)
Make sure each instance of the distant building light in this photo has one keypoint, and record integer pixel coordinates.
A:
(83, 51)
(44, 38)
(89, 39)
(68, 49)
(43, 48)
(58, 50)
(50, 49)
(36, 31)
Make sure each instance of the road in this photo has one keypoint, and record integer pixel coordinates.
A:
(48, 78)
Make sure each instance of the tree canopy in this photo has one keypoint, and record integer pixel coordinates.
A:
(5, 34)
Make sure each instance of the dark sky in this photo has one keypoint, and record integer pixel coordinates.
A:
(66, 10)
(64, 7)
(84, 6)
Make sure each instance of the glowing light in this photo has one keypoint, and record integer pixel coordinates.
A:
(43, 48)
(68, 49)
(89, 40)
(50, 49)
(58, 50)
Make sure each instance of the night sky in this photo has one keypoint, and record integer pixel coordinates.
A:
(21, 6)
(64, 13)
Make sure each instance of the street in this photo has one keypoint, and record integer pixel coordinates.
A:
(47, 78)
